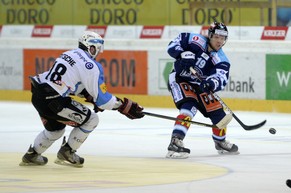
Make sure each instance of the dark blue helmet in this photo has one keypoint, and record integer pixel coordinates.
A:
(217, 28)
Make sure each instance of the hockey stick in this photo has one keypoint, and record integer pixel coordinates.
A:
(176, 119)
(245, 127)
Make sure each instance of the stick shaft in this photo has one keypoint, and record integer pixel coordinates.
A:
(176, 119)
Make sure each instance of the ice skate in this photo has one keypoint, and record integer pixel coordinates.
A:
(225, 147)
(68, 157)
(176, 149)
(32, 158)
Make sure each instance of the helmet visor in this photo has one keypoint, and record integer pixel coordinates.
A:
(98, 43)
(95, 41)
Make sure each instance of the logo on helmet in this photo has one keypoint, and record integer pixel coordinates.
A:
(220, 32)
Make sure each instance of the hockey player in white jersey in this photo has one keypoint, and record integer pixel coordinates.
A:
(74, 72)
(205, 55)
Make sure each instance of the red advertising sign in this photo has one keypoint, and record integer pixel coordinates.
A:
(155, 32)
(42, 31)
(125, 72)
(274, 33)
(204, 31)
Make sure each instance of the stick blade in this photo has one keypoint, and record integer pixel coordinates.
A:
(257, 126)
(253, 127)
(249, 127)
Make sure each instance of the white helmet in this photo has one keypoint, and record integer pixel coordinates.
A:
(90, 38)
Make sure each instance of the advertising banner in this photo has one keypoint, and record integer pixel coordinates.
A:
(274, 33)
(160, 65)
(278, 77)
(246, 80)
(135, 12)
(11, 70)
(246, 76)
(125, 71)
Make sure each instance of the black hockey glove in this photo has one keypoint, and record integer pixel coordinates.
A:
(187, 63)
(131, 109)
(187, 60)
(207, 86)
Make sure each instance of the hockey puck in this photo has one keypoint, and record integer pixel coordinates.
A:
(272, 131)
(288, 183)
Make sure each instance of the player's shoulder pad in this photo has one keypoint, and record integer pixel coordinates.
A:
(220, 57)
(197, 39)
(84, 59)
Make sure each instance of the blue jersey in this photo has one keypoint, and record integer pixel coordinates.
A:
(208, 65)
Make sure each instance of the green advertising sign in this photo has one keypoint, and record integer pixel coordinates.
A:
(165, 68)
(278, 77)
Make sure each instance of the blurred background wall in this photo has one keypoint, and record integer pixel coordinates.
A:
(136, 32)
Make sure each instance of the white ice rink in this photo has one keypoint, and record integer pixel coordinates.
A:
(124, 155)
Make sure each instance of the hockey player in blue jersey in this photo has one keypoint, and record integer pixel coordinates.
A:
(190, 94)
(74, 72)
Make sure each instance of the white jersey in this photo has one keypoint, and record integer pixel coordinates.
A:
(75, 70)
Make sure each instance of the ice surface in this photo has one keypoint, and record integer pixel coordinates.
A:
(119, 145)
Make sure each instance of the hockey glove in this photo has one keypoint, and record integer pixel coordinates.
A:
(187, 60)
(131, 109)
(207, 86)
(89, 99)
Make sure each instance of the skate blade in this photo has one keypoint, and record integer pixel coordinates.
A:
(29, 164)
(176, 155)
(66, 163)
(223, 152)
